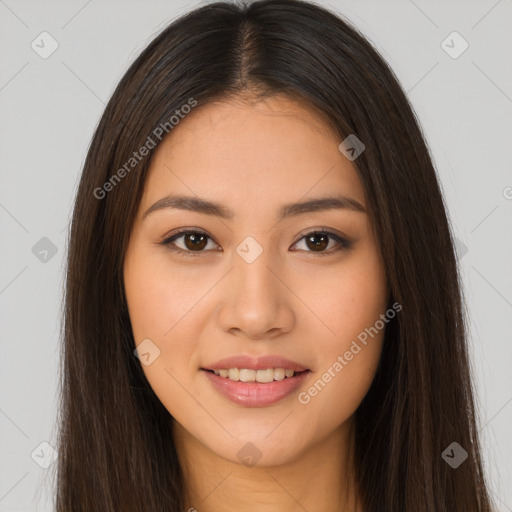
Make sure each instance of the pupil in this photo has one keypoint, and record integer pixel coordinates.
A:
(318, 245)
(196, 241)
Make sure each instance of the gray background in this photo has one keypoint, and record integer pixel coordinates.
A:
(50, 107)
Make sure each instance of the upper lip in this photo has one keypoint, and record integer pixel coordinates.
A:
(255, 363)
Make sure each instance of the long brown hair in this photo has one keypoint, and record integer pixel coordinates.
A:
(116, 452)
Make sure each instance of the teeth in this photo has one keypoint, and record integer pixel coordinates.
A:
(234, 374)
(246, 375)
(265, 375)
(279, 373)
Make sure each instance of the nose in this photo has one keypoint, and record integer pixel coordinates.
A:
(256, 302)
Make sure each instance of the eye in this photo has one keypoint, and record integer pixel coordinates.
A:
(318, 241)
(192, 242)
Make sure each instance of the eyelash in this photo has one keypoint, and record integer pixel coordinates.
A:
(343, 243)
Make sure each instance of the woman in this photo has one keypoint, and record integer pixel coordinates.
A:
(263, 309)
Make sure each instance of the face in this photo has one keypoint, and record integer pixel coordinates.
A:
(256, 279)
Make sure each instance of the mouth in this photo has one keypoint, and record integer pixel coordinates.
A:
(263, 376)
(255, 387)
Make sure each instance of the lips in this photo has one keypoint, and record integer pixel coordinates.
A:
(251, 393)
(256, 394)
(255, 363)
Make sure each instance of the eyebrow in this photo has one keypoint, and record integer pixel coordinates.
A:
(196, 204)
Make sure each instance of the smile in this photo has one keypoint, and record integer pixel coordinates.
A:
(253, 392)
(249, 375)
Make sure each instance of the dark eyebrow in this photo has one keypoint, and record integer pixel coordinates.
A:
(196, 204)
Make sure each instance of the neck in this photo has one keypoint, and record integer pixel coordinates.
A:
(320, 478)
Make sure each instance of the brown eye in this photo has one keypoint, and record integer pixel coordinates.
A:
(320, 242)
(317, 242)
(188, 241)
(194, 241)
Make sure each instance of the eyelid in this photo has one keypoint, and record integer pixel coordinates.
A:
(324, 230)
(181, 231)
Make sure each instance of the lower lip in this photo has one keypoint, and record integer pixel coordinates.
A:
(256, 394)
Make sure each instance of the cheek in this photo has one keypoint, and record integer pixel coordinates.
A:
(347, 362)
(349, 299)
(159, 305)
(159, 297)
(350, 348)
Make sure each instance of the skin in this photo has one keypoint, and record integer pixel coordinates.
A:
(254, 156)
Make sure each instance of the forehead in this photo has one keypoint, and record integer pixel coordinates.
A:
(250, 154)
